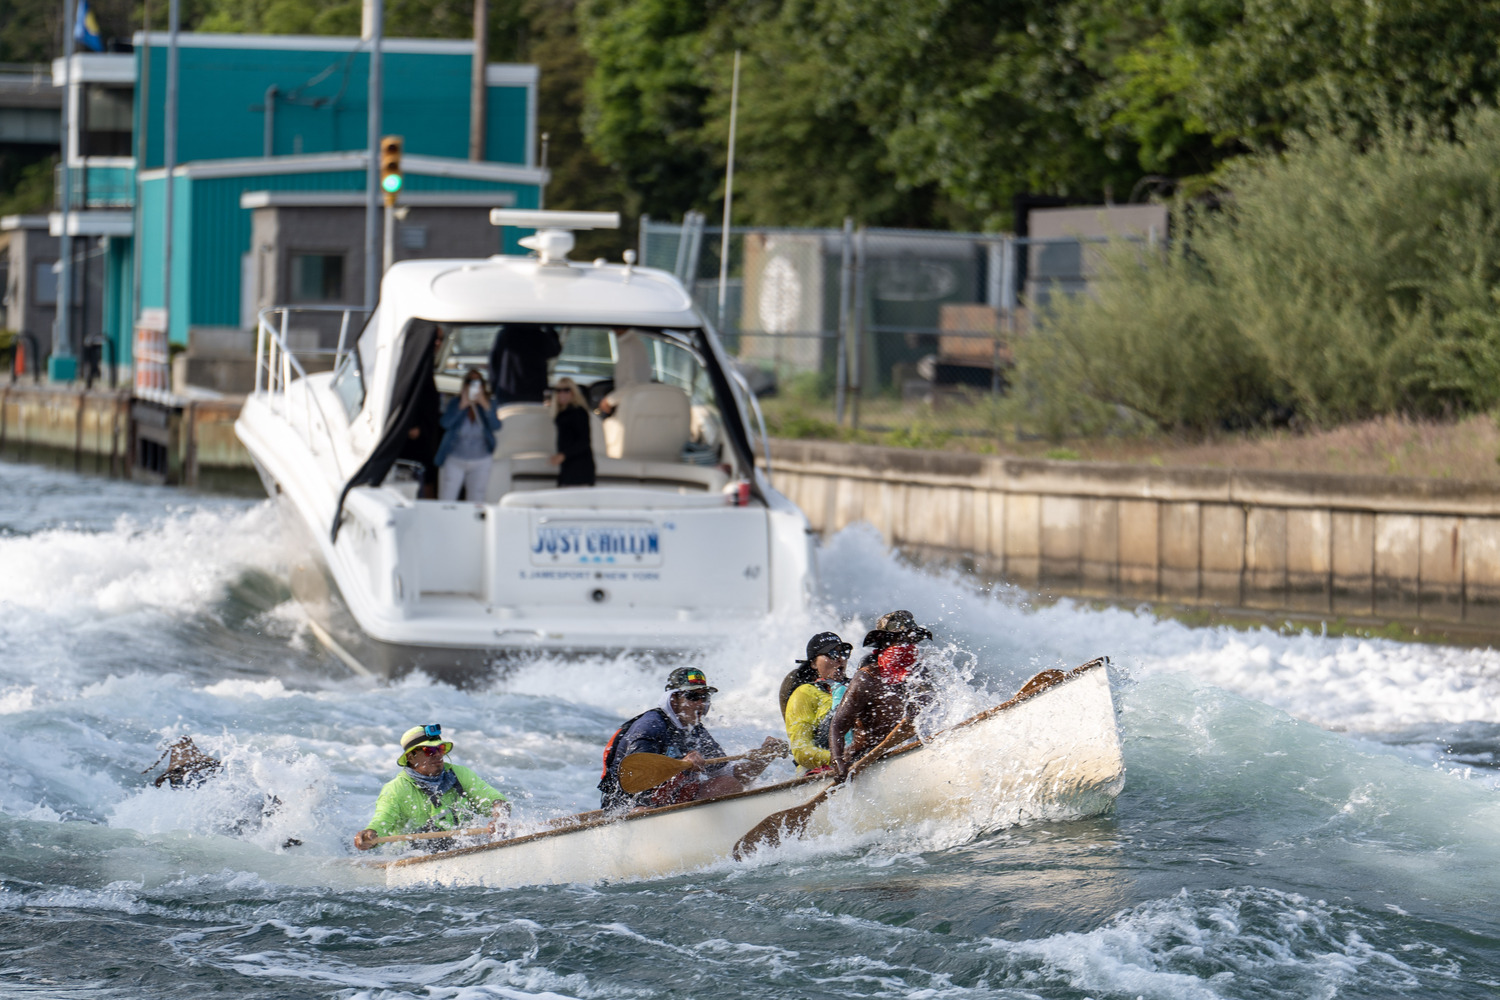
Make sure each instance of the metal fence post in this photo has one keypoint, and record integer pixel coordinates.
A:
(856, 347)
(643, 238)
(846, 276)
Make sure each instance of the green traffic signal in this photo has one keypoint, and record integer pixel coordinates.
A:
(391, 183)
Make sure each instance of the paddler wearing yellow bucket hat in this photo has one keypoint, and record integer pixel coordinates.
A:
(431, 793)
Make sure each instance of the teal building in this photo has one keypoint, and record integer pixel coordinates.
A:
(262, 114)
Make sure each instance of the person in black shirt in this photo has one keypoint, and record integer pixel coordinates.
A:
(518, 362)
(575, 452)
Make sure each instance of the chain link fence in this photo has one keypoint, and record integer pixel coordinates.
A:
(892, 335)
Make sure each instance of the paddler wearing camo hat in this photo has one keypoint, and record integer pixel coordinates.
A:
(431, 793)
(887, 689)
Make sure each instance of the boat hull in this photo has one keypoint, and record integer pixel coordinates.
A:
(1053, 755)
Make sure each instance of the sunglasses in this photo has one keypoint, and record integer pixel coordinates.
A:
(429, 751)
(696, 695)
(563, 389)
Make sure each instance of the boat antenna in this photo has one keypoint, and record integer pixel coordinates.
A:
(734, 104)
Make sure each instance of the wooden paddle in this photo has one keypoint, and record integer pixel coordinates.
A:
(767, 833)
(469, 831)
(641, 771)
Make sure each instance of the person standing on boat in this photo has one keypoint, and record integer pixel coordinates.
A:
(518, 361)
(468, 449)
(885, 692)
(675, 728)
(575, 451)
(430, 793)
(807, 708)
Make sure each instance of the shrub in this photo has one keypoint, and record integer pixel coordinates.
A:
(1350, 275)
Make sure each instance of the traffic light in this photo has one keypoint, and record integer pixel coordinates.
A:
(390, 167)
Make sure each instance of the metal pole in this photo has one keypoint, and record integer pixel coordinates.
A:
(372, 171)
(138, 214)
(541, 189)
(169, 162)
(389, 257)
(478, 94)
(62, 341)
(856, 359)
(846, 274)
(268, 139)
(734, 105)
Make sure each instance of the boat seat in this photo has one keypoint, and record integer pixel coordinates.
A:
(517, 472)
(651, 423)
(524, 427)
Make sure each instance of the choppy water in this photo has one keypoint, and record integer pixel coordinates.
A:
(1303, 817)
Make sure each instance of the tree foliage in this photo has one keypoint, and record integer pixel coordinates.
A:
(1350, 275)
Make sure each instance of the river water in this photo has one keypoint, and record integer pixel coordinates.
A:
(1302, 816)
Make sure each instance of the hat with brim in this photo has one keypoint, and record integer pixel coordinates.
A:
(825, 643)
(417, 737)
(689, 679)
(896, 628)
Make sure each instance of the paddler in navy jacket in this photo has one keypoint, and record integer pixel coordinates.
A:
(884, 692)
(675, 728)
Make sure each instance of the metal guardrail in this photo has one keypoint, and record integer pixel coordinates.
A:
(277, 367)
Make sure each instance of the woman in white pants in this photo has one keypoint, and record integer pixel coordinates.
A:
(467, 451)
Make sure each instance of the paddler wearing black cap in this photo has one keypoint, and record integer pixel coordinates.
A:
(431, 793)
(808, 697)
(675, 728)
(884, 692)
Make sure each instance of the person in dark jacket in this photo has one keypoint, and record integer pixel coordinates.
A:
(518, 362)
(675, 728)
(575, 452)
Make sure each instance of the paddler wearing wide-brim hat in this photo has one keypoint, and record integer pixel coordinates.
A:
(431, 793)
(883, 693)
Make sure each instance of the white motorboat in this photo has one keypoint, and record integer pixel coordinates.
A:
(1050, 754)
(681, 541)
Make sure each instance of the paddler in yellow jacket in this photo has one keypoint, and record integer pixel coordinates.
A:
(430, 793)
(810, 705)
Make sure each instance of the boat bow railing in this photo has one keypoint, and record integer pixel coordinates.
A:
(277, 366)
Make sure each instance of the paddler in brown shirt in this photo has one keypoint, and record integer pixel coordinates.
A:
(887, 689)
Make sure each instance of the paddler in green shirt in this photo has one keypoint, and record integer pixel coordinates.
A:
(430, 793)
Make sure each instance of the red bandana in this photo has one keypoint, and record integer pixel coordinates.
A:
(894, 663)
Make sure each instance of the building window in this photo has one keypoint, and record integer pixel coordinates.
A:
(44, 283)
(317, 277)
(107, 123)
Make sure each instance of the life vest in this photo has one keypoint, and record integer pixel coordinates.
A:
(895, 663)
(610, 792)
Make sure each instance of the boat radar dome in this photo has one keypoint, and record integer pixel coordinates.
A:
(554, 230)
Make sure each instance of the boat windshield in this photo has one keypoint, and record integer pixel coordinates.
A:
(589, 356)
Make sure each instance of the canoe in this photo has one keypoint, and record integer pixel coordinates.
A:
(1050, 754)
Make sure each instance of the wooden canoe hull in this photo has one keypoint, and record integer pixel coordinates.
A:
(1053, 755)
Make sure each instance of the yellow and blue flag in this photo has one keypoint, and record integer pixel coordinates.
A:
(86, 29)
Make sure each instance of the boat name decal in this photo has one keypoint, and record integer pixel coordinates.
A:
(596, 543)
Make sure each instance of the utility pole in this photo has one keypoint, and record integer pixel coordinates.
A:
(169, 163)
(62, 339)
(374, 28)
(478, 88)
(734, 106)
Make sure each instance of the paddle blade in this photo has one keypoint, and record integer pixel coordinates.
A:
(640, 771)
(768, 832)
